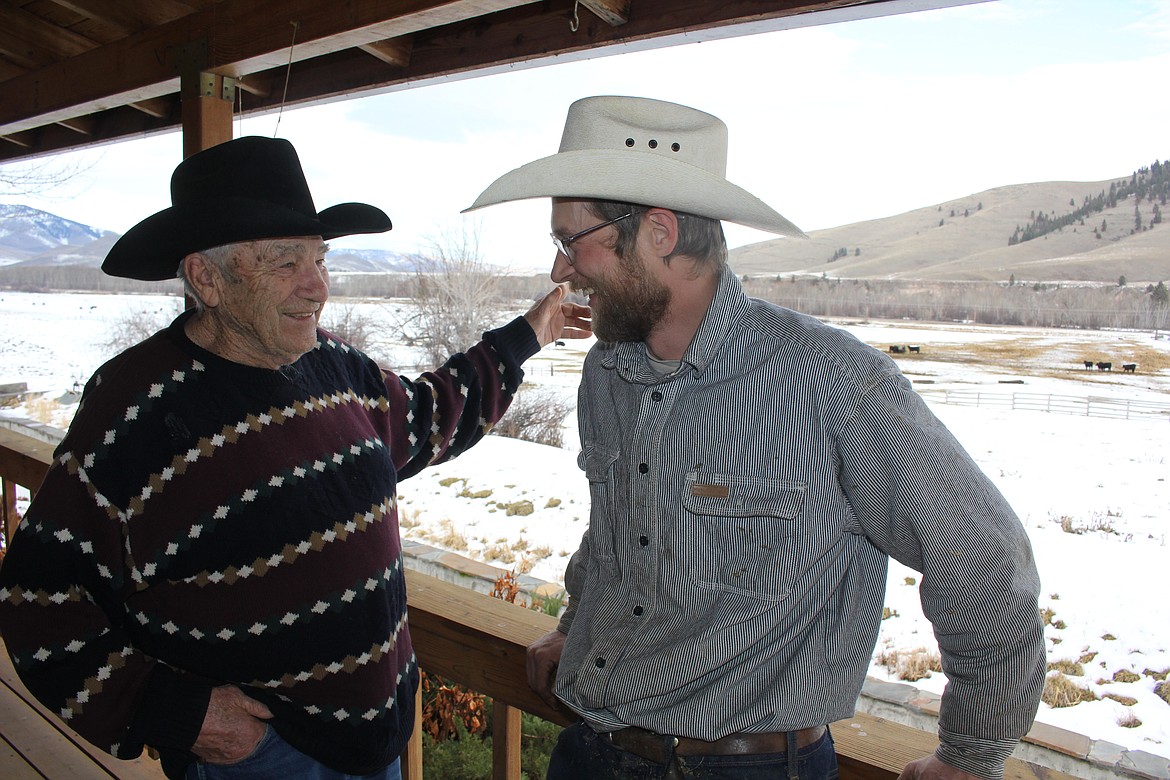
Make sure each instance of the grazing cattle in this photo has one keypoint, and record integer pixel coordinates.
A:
(914, 348)
(1104, 366)
(897, 349)
(1129, 368)
(1088, 364)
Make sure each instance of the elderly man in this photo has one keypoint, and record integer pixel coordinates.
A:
(750, 469)
(212, 566)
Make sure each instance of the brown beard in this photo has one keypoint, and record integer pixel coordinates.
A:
(631, 303)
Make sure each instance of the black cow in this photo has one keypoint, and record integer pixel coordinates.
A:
(1104, 366)
(897, 349)
(1088, 364)
(1129, 368)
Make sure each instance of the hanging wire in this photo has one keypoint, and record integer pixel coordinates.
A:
(287, 73)
(576, 23)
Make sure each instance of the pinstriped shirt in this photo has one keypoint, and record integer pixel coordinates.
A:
(743, 511)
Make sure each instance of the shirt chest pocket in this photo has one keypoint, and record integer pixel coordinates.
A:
(740, 534)
(605, 491)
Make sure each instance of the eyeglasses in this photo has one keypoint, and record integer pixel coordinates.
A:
(565, 245)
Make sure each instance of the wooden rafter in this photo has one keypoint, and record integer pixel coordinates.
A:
(612, 12)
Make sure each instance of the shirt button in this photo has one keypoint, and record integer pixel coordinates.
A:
(600, 662)
(657, 396)
(642, 540)
(643, 468)
(638, 611)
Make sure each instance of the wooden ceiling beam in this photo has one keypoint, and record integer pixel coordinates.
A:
(239, 37)
(82, 125)
(38, 34)
(612, 12)
(526, 38)
(395, 51)
(22, 140)
(120, 16)
(159, 108)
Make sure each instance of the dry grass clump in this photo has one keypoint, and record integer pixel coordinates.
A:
(1065, 666)
(1125, 675)
(1046, 615)
(1156, 675)
(1087, 656)
(1096, 524)
(1129, 721)
(911, 665)
(552, 503)
(888, 613)
(522, 508)
(485, 493)
(501, 553)
(909, 581)
(1060, 691)
(1128, 701)
(407, 519)
(444, 535)
(1162, 691)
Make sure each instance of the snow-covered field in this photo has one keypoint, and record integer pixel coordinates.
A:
(1092, 491)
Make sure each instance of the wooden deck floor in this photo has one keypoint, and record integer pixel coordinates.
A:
(35, 745)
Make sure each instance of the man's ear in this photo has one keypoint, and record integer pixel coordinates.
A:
(204, 278)
(662, 230)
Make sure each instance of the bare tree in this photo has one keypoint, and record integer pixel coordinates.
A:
(40, 177)
(352, 324)
(455, 296)
(537, 415)
(135, 325)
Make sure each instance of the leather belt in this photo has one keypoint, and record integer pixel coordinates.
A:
(659, 747)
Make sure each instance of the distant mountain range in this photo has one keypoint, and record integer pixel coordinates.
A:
(29, 237)
(1077, 232)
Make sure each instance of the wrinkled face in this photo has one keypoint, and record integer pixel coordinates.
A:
(271, 299)
(626, 298)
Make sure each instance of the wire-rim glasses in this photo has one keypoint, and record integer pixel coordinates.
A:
(565, 245)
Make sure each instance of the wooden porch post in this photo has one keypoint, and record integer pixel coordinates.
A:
(506, 732)
(208, 99)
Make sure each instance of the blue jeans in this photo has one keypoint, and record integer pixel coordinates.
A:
(275, 759)
(583, 754)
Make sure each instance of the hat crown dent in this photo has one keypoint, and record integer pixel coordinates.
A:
(647, 126)
(253, 168)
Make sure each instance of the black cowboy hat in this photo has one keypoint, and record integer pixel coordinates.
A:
(241, 190)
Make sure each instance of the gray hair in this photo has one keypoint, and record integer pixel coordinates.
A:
(219, 256)
(699, 238)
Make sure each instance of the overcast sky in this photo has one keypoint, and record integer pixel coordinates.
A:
(830, 125)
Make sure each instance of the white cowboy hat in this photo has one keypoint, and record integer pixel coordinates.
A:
(643, 151)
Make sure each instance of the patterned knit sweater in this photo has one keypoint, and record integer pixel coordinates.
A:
(205, 522)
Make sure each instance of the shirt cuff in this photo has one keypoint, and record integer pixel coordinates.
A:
(172, 709)
(514, 343)
(980, 757)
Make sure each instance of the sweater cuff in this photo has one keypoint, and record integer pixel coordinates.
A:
(172, 709)
(977, 756)
(514, 343)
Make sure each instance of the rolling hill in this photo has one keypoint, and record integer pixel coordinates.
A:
(967, 239)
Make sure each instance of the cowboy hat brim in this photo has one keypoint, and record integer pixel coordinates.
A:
(153, 249)
(644, 179)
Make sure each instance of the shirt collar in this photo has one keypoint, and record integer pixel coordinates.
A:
(727, 308)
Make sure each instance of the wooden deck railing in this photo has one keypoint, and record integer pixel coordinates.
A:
(466, 637)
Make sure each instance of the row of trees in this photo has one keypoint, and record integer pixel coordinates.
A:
(1038, 305)
(1151, 184)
